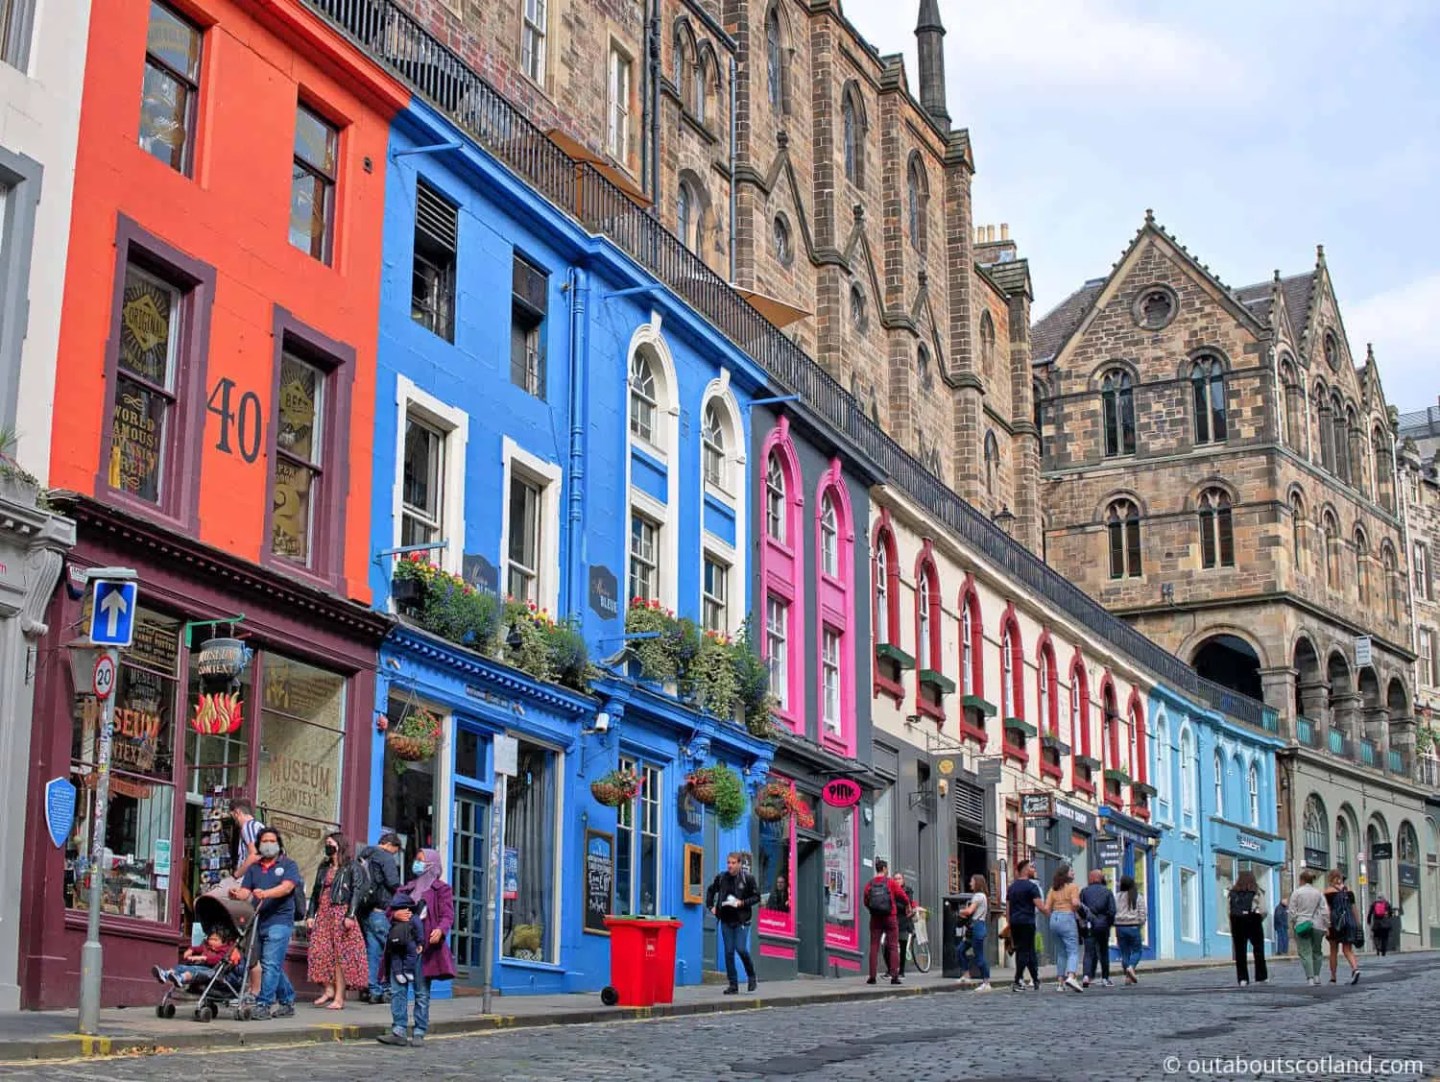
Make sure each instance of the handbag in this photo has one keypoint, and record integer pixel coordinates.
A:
(1304, 927)
(1359, 939)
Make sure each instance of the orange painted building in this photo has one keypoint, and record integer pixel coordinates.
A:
(213, 430)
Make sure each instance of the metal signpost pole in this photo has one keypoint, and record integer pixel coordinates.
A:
(90, 952)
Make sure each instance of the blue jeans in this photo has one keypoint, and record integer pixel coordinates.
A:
(1067, 943)
(735, 939)
(376, 928)
(976, 945)
(400, 1005)
(189, 973)
(274, 985)
(1128, 936)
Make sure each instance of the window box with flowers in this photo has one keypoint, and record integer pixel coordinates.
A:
(616, 788)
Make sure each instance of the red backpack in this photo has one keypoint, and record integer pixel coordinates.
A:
(1382, 909)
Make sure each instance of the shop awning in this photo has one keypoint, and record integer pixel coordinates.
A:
(776, 311)
(578, 152)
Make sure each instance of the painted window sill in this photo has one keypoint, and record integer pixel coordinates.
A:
(1020, 725)
(929, 709)
(1048, 771)
(885, 651)
(1017, 754)
(973, 732)
(937, 680)
(885, 686)
(977, 703)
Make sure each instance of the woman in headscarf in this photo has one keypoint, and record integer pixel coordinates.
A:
(435, 908)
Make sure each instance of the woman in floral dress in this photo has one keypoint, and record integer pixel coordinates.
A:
(337, 945)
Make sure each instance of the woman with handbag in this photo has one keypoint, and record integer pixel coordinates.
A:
(1344, 925)
(1247, 928)
(1310, 918)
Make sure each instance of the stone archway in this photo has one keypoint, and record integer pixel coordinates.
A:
(1311, 690)
(1399, 726)
(1371, 707)
(1231, 662)
(1343, 698)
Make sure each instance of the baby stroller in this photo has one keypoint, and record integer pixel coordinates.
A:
(229, 987)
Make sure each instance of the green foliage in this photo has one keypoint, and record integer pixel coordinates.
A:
(657, 661)
(729, 802)
(714, 672)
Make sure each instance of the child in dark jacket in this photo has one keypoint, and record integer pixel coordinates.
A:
(200, 962)
(405, 940)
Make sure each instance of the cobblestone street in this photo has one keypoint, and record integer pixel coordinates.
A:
(1166, 1027)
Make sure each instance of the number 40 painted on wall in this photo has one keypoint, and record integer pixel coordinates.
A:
(245, 418)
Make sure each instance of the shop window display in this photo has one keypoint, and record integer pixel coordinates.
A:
(408, 793)
(529, 916)
(840, 885)
(774, 877)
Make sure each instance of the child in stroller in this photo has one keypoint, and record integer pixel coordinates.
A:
(215, 973)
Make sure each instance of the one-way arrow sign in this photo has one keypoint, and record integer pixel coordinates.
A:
(112, 613)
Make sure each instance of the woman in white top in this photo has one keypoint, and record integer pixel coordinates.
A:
(978, 911)
(1129, 919)
(1310, 920)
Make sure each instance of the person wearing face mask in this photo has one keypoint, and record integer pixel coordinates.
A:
(271, 883)
(336, 958)
(434, 903)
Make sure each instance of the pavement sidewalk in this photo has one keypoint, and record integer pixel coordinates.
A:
(50, 1035)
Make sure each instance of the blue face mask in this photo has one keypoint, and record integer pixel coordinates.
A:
(418, 867)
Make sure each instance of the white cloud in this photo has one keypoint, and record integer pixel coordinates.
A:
(1404, 325)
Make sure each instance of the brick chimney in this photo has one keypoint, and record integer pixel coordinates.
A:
(930, 46)
(991, 247)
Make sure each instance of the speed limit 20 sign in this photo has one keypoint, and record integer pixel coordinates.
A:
(104, 680)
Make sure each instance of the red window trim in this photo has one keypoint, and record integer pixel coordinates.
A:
(885, 536)
(970, 731)
(1047, 673)
(1140, 768)
(927, 572)
(1049, 770)
(1011, 622)
(929, 709)
(179, 505)
(1014, 751)
(885, 686)
(1080, 785)
(970, 599)
(327, 541)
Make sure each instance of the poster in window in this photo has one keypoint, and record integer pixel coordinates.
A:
(599, 880)
(839, 865)
(137, 436)
(147, 309)
(290, 518)
(299, 396)
(511, 874)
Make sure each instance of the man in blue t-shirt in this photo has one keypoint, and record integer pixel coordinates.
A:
(1023, 899)
(273, 882)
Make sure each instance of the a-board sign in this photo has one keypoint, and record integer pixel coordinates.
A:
(599, 880)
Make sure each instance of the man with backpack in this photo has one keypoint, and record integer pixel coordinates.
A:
(884, 898)
(1097, 905)
(732, 896)
(377, 872)
(1382, 921)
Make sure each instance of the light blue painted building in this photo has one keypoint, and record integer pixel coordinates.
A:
(1216, 804)
(552, 426)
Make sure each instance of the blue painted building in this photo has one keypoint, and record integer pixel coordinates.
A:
(1216, 805)
(553, 427)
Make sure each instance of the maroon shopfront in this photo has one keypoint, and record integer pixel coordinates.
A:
(301, 752)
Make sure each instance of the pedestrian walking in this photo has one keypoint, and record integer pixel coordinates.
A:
(435, 906)
(272, 881)
(1282, 927)
(336, 956)
(880, 900)
(732, 896)
(1344, 924)
(1021, 901)
(247, 832)
(978, 914)
(1381, 919)
(1097, 903)
(383, 865)
(1247, 927)
(905, 919)
(1063, 904)
(1310, 916)
(1129, 919)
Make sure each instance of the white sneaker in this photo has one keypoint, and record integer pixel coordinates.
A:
(1072, 983)
(1107, 982)
(984, 986)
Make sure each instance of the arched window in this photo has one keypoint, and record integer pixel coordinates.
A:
(677, 57)
(1289, 434)
(1252, 785)
(687, 215)
(852, 123)
(1188, 786)
(1037, 406)
(829, 537)
(1217, 536)
(1162, 766)
(1122, 526)
(1407, 845)
(774, 60)
(642, 397)
(1012, 664)
(1340, 439)
(1047, 688)
(1320, 403)
(1316, 829)
(858, 319)
(972, 637)
(1207, 393)
(1362, 566)
(1329, 538)
(775, 499)
(1139, 761)
(1390, 585)
(701, 87)
(1219, 766)
(917, 194)
(1110, 726)
(712, 441)
(780, 241)
(923, 366)
(923, 622)
(1117, 401)
(882, 595)
(992, 462)
(1297, 530)
(987, 342)
(1384, 476)
(1342, 844)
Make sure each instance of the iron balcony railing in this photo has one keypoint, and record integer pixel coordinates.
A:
(400, 43)
(1395, 758)
(1367, 752)
(1305, 731)
(1338, 743)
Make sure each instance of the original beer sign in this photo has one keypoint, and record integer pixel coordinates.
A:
(841, 793)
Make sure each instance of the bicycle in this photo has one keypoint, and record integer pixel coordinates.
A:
(920, 941)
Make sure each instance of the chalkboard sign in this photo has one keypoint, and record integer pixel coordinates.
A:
(599, 880)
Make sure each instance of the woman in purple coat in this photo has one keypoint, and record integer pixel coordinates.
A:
(435, 904)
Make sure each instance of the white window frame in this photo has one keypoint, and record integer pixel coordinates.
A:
(657, 550)
(528, 573)
(454, 423)
(546, 475)
(1426, 663)
(829, 536)
(712, 448)
(967, 648)
(1421, 568)
(534, 32)
(777, 648)
(830, 706)
(619, 83)
(645, 818)
(1160, 741)
(923, 660)
(1007, 673)
(1252, 784)
(883, 632)
(1189, 782)
(776, 500)
(1189, 905)
(709, 600)
(1218, 760)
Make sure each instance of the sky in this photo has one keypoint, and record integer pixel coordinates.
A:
(1256, 130)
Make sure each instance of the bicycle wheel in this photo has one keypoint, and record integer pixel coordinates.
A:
(920, 954)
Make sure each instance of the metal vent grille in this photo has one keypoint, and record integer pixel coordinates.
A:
(969, 802)
(435, 219)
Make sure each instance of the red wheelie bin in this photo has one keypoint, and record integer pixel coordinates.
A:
(642, 961)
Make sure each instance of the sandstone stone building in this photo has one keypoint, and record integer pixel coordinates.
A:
(1219, 470)
(808, 171)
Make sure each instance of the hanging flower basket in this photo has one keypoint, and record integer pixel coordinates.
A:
(777, 799)
(616, 788)
(416, 737)
(770, 812)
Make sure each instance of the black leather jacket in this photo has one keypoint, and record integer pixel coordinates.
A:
(342, 888)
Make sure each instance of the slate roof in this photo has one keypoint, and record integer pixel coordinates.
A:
(1056, 327)
(1298, 290)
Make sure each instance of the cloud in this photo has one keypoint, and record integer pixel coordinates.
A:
(1404, 325)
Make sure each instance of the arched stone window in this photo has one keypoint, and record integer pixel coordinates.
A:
(1339, 440)
(1297, 530)
(987, 343)
(1362, 566)
(1329, 538)
(992, 463)
(1342, 843)
(858, 317)
(1316, 828)
(689, 214)
(1384, 474)
(853, 126)
(1391, 584)
(917, 196)
(1117, 403)
(1217, 536)
(1207, 394)
(1292, 407)
(774, 60)
(1122, 528)
(924, 367)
